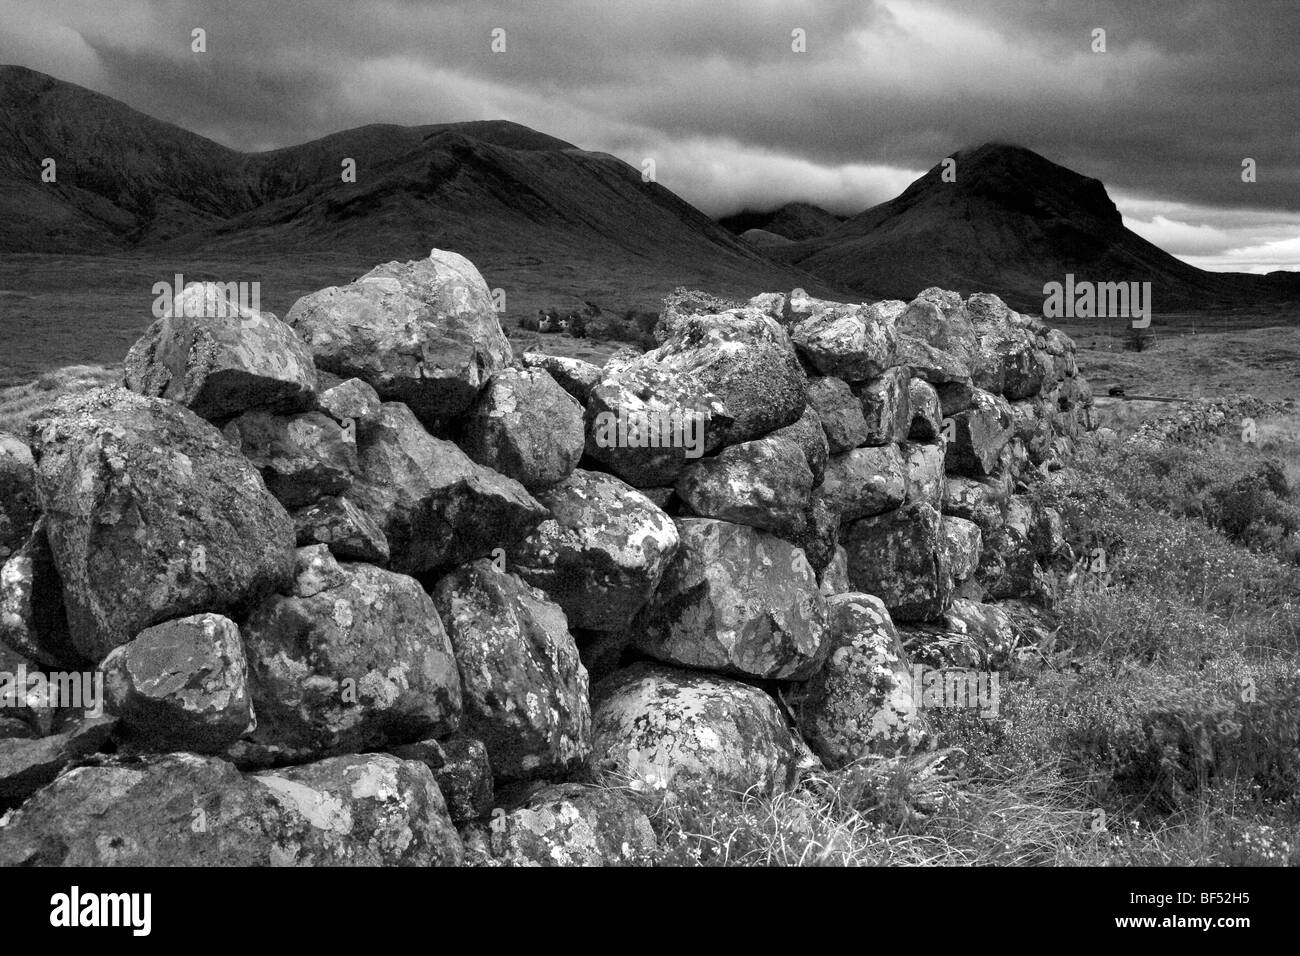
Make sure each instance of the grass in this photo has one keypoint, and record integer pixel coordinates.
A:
(1159, 725)
(21, 404)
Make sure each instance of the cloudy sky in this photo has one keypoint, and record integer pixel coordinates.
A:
(732, 114)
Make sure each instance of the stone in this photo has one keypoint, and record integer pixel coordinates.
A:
(887, 407)
(975, 501)
(302, 458)
(26, 765)
(963, 542)
(927, 412)
(575, 376)
(662, 728)
(353, 658)
(188, 810)
(840, 412)
(435, 506)
(737, 601)
(717, 380)
(926, 479)
(19, 507)
(424, 333)
(861, 702)
(601, 553)
(765, 484)
(525, 689)
(526, 426)
(979, 436)
(219, 358)
(181, 685)
(865, 482)
(32, 618)
(852, 342)
(939, 318)
(345, 529)
(809, 435)
(152, 515)
(352, 401)
(899, 556)
(569, 824)
(930, 364)
(462, 771)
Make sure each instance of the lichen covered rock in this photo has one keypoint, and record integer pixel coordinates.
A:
(424, 333)
(735, 600)
(186, 810)
(525, 689)
(152, 515)
(601, 553)
(659, 727)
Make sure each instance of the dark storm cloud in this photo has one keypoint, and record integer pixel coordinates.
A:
(715, 94)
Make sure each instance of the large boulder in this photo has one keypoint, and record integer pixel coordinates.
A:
(218, 357)
(423, 333)
(352, 658)
(840, 412)
(765, 483)
(658, 728)
(181, 685)
(33, 620)
(186, 810)
(939, 318)
(19, 508)
(738, 601)
(853, 342)
(861, 702)
(525, 689)
(435, 506)
(887, 407)
(900, 557)
(865, 482)
(979, 435)
(646, 423)
(302, 458)
(717, 380)
(930, 364)
(526, 426)
(601, 553)
(569, 824)
(152, 515)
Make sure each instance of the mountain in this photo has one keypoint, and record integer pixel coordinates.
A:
(508, 197)
(795, 220)
(1011, 222)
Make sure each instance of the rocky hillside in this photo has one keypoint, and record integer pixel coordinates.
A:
(364, 587)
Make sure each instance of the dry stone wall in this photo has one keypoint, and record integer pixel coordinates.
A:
(362, 586)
